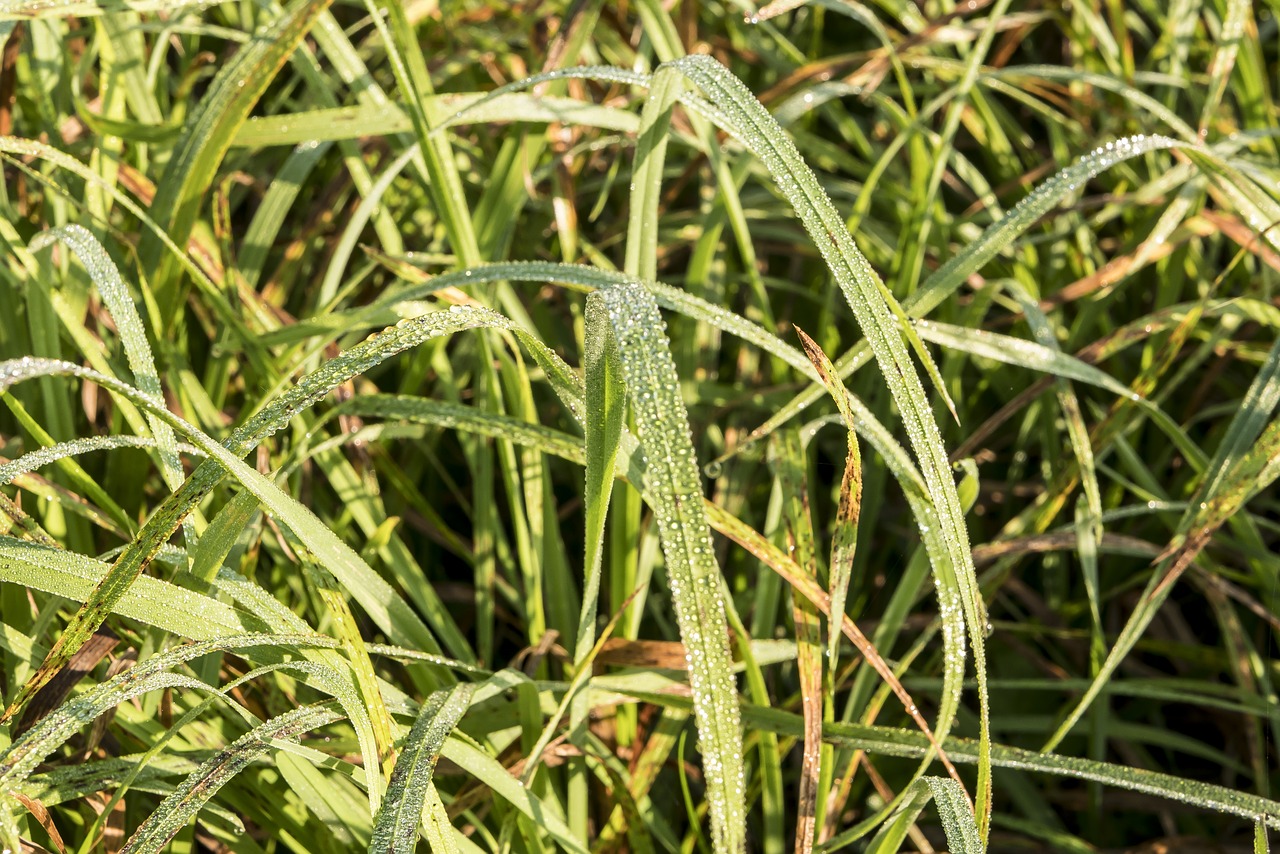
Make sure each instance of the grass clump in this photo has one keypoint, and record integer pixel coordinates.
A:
(415, 426)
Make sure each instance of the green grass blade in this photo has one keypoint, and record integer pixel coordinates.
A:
(489, 771)
(1226, 488)
(207, 135)
(459, 107)
(384, 606)
(948, 278)
(162, 825)
(953, 809)
(606, 405)
(102, 270)
(396, 826)
(672, 472)
(865, 294)
(150, 601)
(24, 754)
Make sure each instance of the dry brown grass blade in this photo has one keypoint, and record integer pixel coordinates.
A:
(41, 815)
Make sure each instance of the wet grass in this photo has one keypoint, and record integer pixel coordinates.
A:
(657, 427)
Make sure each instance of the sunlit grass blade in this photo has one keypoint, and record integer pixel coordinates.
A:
(372, 120)
(133, 338)
(953, 810)
(174, 812)
(20, 758)
(150, 601)
(396, 826)
(383, 604)
(207, 135)
(500, 781)
(865, 294)
(998, 236)
(672, 472)
(889, 741)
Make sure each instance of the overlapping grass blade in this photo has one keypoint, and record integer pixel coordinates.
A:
(133, 338)
(21, 757)
(958, 590)
(889, 741)
(998, 236)
(150, 601)
(174, 812)
(207, 135)
(953, 809)
(396, 826)
(384, 606)
(1244, 464)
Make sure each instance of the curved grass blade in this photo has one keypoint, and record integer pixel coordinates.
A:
(80, 478)
(20, 758)
(1011, 350)
(383, 605)
(863, 290)
(207, 135)
(155, 751)
(174, 812)
(33, 460)
(133, 337)
(150, 601)
(953, 808)
(673, 479)
(948, 278)
(396, 827)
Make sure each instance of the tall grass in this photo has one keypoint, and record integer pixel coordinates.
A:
(415, 426)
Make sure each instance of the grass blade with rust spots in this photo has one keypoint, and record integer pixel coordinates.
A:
(845, 539)
(786, 458)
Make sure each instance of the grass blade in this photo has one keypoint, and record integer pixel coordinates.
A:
(396, 827)
(207, 135)
(162, 825)
(672, 473)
